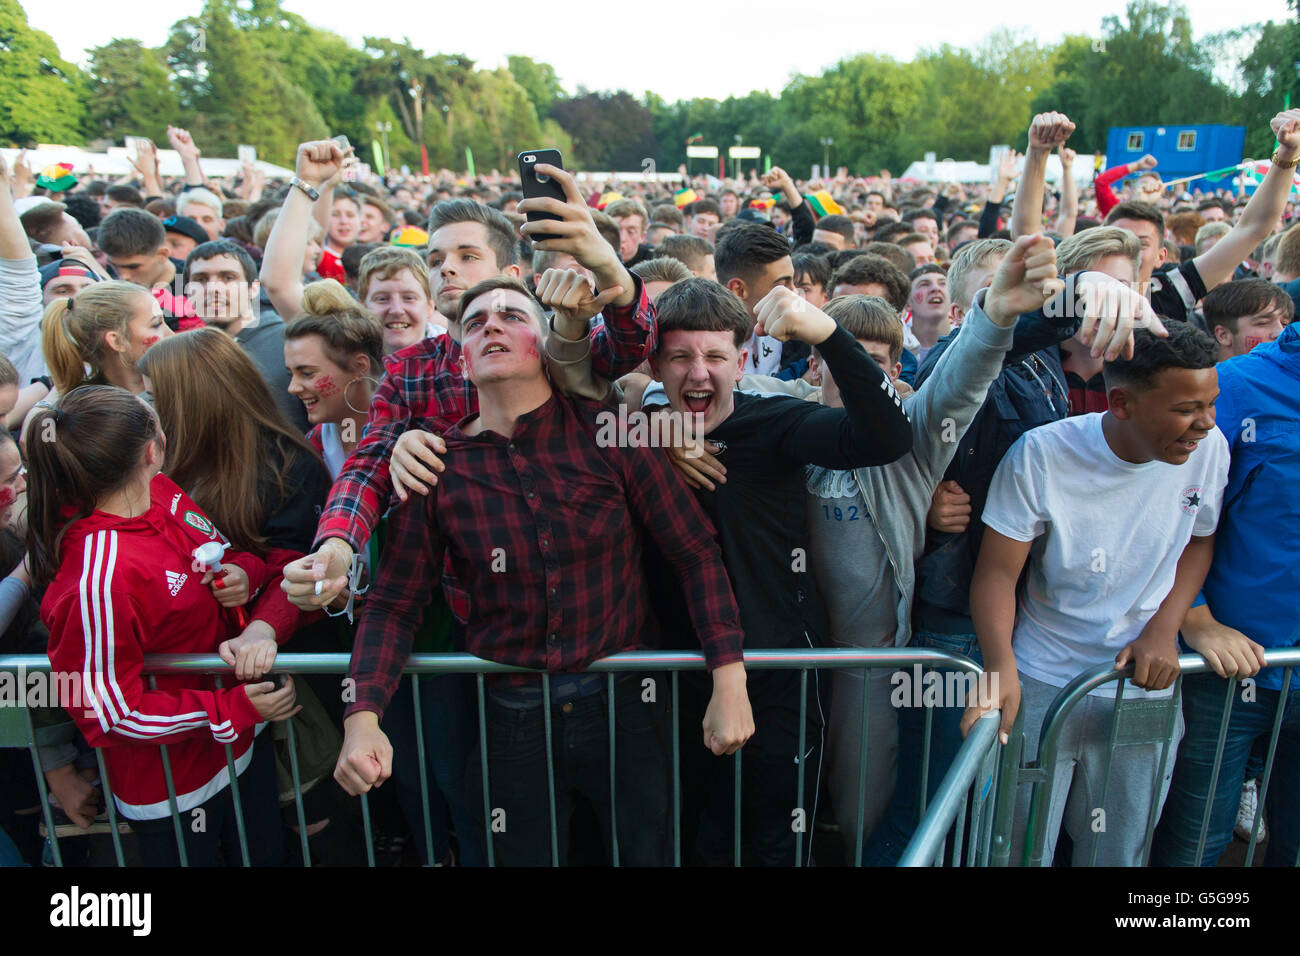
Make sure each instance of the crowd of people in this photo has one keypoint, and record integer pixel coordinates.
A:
(390, 414)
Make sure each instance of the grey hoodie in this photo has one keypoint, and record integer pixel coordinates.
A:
(896, 497)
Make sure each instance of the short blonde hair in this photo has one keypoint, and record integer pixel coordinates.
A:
(1211, 230)
(1084, 250)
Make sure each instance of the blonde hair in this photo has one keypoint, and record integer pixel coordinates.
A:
(262, 234)
(385, 262)
(1084, 250)
(1211, 230)
(870, 318)
(73, 331)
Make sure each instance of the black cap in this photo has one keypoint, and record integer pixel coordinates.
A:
(186, 227)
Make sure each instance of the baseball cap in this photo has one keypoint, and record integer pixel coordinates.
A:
(64, 267)
(186, 227)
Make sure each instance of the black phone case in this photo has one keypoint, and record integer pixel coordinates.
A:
(532, 188)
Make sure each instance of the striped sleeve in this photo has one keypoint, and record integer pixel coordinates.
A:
(96, 640)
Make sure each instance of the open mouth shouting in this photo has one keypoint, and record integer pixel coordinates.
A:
(697, 400)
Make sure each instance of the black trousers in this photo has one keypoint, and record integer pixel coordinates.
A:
(518, 805)
(215, 842)
(773, 810)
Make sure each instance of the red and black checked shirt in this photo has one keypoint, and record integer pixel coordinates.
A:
(545, 530)
(424, 388)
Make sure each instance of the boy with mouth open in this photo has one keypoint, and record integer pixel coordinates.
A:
(544, 525)
(1114, 513)
(765, 443)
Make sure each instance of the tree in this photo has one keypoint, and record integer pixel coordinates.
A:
(234, 88)
(609, 130)
(1147, 70)
(539, 82)
(131, 93)
(40, 93)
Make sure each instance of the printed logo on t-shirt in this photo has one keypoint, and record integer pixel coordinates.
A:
(1191, 500)
(175, 581)
(196, 520)
(176, 500)
(829, 483)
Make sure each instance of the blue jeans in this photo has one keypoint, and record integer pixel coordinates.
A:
(448, 731)
(1180, 824)
(890, 838)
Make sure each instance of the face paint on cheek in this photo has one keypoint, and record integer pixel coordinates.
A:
(151, 340)
(1252, 341)
(7, 496)
(325, 386)
(918, 296)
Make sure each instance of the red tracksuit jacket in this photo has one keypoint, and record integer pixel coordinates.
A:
(127, 587)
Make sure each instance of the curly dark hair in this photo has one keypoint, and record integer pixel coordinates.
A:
(1186, 347)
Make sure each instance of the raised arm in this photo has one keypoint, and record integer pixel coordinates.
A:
(13, 239)
(1069, 211)
(871, 428)
(281, 273)
(184, 144)
(1046, 132)
(1216, 265)
(802, 223)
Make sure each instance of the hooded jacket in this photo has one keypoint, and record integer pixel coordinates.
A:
(127, 587)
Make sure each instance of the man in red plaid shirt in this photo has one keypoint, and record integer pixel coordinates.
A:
(424, 390)
(542, 521)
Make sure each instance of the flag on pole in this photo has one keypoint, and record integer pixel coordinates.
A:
(469, 161)
(379, 155)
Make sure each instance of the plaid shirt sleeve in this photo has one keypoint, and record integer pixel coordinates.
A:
(362, 490)
(677, 523)
(626, 338)
(393, 609)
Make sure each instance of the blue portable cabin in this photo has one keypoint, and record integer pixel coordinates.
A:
(1180, 150)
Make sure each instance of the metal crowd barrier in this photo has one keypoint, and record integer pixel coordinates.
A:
(1135, 721)
(16, 730)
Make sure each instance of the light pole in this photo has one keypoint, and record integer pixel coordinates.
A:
(827, 143)
(383, 129)
(738, 138)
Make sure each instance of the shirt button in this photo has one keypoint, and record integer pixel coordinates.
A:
(530, 494)
(554, 592)
(546, 542)
(567, 708)
(554, 638)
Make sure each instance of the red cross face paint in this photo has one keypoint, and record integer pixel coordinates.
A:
(1252, 341)
(501, 337)
(325, 386)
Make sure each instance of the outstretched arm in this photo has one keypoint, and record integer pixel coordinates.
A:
(1216, 265)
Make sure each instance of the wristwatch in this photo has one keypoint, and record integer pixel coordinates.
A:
(1284, 164)
(312, 192)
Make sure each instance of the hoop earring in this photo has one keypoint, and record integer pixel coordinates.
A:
(348, 402)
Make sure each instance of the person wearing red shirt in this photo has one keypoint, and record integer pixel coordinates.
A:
(425, 390)
(114, 541)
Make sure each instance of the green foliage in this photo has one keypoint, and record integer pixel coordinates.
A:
(132, 92)
(250, 71)
(41, 95)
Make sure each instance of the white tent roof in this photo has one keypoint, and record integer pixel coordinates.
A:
(115, 163)
(951, 171)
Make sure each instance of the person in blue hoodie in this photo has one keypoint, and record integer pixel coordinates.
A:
(1248, 604)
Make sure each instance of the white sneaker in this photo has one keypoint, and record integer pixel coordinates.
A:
(1247, 810)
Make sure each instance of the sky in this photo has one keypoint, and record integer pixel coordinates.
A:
(606, 45)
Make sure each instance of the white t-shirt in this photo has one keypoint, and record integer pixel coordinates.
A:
(1107, 535)
(764, 355)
